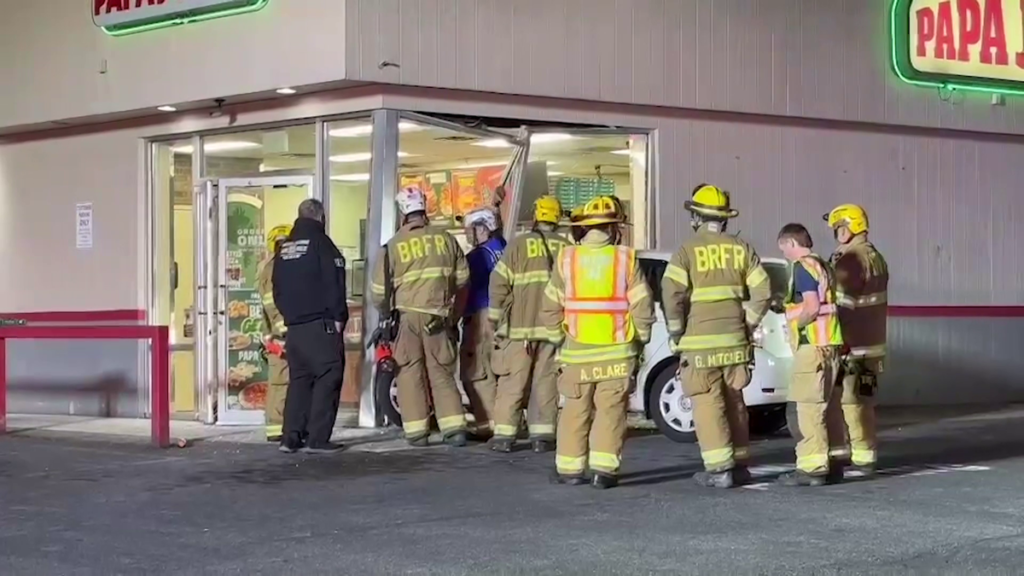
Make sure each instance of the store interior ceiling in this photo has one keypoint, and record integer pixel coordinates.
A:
(422, 148)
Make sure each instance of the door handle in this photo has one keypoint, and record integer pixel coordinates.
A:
(174, 275)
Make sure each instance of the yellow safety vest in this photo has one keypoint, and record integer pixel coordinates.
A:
(824, 330)
(596, 283)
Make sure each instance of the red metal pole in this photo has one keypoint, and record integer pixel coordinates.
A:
(3, 385)
(160, 419)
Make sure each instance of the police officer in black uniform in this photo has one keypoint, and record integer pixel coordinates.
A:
(309, 290)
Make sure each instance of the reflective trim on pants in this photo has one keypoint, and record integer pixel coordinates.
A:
(415, 428)
(843, 452)
(862, 457)
(452, 424)
(813, 463)
(605, 462)
(719, 459)
(570, 465)
(505, 431)
(741, 453)
(274, 430)
(542, 430)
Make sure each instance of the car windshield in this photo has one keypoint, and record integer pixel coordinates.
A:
(653, 270)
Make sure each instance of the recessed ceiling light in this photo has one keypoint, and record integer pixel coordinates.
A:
(362, 157)
(542, 138)
(223, 146)
(367, 129)
(167, 109)
(364, 177)
(555, 173)
(286, 91)
(623, 152)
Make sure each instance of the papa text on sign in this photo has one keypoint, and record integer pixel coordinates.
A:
(969, 31)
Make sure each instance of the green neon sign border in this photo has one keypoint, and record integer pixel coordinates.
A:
(900, 56)
(182, 20)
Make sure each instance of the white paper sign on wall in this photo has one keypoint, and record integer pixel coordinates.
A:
(118, 17)
(83, 225)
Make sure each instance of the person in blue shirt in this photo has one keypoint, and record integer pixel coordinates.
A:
(478, 379)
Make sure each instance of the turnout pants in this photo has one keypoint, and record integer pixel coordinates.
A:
(719, 414)
(815, 373)
(478, 378)
(277, 392)
(525, 370)
(426, 367)
(592, 426)
(316, 365)
(852, 421)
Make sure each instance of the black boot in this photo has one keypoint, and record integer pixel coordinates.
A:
(568, 479)
(835, 472)
(722, 479)
(542, 446)
(456, 439)
(503, 445)
(741, 475)
(801, 478)
(323, 448)
(603, 481)
(421, 442)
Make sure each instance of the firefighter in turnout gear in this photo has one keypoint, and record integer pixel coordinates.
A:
(816, 339)
(427, 269)
(862, 279)
(273, 337)
(715, 293)
(598, 307)
(523, 358)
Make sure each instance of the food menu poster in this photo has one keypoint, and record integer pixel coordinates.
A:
(247, 369)
(454, 192)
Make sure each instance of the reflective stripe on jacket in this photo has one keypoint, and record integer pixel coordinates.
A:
(273, 321)
(715, 292)
(862, 282)
(824, 329)
(578, 285)
(517, 285)
(428, 268)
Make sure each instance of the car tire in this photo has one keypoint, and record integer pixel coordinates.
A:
(671, 411)
(768, 420)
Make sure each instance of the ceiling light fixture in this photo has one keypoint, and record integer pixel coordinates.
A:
(223, 146)
(363, 177)
(623, 152)
(362, 157)
(286, 91)
(367, 129)
(541, 138)
(167, 109)
(555, 173)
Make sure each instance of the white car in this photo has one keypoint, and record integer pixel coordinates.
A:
(659, 394)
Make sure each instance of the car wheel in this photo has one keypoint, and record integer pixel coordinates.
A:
(768, 420)
(670, 409)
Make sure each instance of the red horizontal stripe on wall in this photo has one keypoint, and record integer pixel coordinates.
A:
(956, 311)
(78, 316)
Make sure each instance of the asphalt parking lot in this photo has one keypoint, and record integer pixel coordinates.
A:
(948, 501)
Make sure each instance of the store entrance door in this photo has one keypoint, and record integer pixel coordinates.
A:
(231, 243)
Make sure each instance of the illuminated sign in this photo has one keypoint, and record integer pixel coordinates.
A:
(119, 17)
(967, 44)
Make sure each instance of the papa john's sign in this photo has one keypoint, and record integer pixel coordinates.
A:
(971, 44)
(118, 17)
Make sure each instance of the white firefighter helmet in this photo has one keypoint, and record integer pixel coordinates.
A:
(482, 217)
(411, 200)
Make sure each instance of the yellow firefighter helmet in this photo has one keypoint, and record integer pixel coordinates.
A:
(548, 209)
(278, 234)
(850, 215)
(711, 201)
(600, 210)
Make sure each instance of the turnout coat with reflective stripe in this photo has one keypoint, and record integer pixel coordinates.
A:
(273, 322)
(862, 281)
(518, 282)
(597, 304)
(428, 268)
(715, 292)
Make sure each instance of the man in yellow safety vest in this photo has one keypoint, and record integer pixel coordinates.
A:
(599, 309)
(815, 338)
(715, 293)
(862, 279)
(273, 336)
